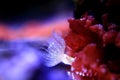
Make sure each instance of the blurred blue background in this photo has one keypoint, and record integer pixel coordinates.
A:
(17, 12)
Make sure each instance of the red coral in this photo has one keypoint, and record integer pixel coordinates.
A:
(80, 35)
(87, 41)
(117, 40)
(109, 37)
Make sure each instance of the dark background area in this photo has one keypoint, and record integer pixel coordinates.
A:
(16, 11)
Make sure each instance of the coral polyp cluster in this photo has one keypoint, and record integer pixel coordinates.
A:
(95, 49)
